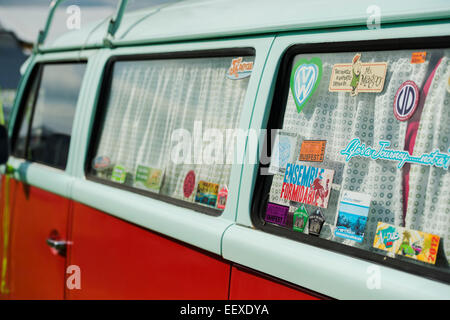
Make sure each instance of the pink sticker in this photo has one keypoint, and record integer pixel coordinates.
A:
(189, 184)
(222, 198)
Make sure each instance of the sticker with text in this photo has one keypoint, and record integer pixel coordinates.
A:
(276, 214)
(207, 193)
(356, 148)
(312, 150)
(239, 69)
(418, 57)
(283, 152)
(406, 100)
(358, 76)
(352, 215)
(119, 174)
(148, 178)
(306, 184)
(413, 244)
(305, 79)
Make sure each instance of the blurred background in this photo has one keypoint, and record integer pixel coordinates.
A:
(20, 22)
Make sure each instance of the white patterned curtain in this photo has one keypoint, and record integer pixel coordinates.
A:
(150, 99)
(429, 194)
(339, 117)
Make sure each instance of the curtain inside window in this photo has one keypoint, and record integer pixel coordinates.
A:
(150, 99)
(339, 117)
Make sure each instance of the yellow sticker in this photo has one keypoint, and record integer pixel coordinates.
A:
(358, 76)
(413, 244)
(207, 193)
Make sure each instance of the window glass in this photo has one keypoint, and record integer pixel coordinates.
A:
(362, 154)
(149, 101)
(21, 139)
(51, 109)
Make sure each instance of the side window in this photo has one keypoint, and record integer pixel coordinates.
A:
(155, 123)
(360, 162)
(43, 134)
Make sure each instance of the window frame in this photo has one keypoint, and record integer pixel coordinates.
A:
(102, 105)
(281, 85)
(37, 71)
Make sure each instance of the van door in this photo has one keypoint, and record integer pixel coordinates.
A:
(40, 207)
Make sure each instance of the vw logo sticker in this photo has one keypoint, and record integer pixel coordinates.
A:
(406, 100)
(305, 79)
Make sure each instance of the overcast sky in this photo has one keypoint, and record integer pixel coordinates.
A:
(27, 17)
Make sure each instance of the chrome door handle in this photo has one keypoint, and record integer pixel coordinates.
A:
(59, 245)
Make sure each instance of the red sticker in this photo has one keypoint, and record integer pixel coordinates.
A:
(222, 198)
(189, 184)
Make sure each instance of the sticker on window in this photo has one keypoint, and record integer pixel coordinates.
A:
(305, 79)
(352, 215)
(148, 178)
(418, 57)
(284, 151)
(358, 76)
(119, 174)
(356, 148)
(222, 198)
(276, 213)
(316, 221)
(189, 184)
(101, 163)
(406, 100)
(413, 244)
(300, 219)
(306, 184)
(207, 193)
(239, 69)
(312, 150)
(448, 84)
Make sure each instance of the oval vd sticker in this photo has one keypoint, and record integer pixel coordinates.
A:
(305, 79)
(406, 100)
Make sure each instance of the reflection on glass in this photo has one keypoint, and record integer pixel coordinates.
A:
(53, 114)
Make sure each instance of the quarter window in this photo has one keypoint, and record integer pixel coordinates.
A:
(47, 114)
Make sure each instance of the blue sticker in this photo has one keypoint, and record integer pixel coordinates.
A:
(352, 215)
(356, 148)
(305, 79)
(406, 100)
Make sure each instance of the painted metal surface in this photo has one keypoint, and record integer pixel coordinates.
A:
(246, 285)
(8, 187)
(230, 235)
(119, 260)
(186, 225)
(37, 272)
(329, 273)
(224, 18)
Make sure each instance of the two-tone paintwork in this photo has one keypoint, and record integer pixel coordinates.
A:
(231, 237)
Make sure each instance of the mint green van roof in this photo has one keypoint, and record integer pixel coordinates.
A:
(203, 19)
